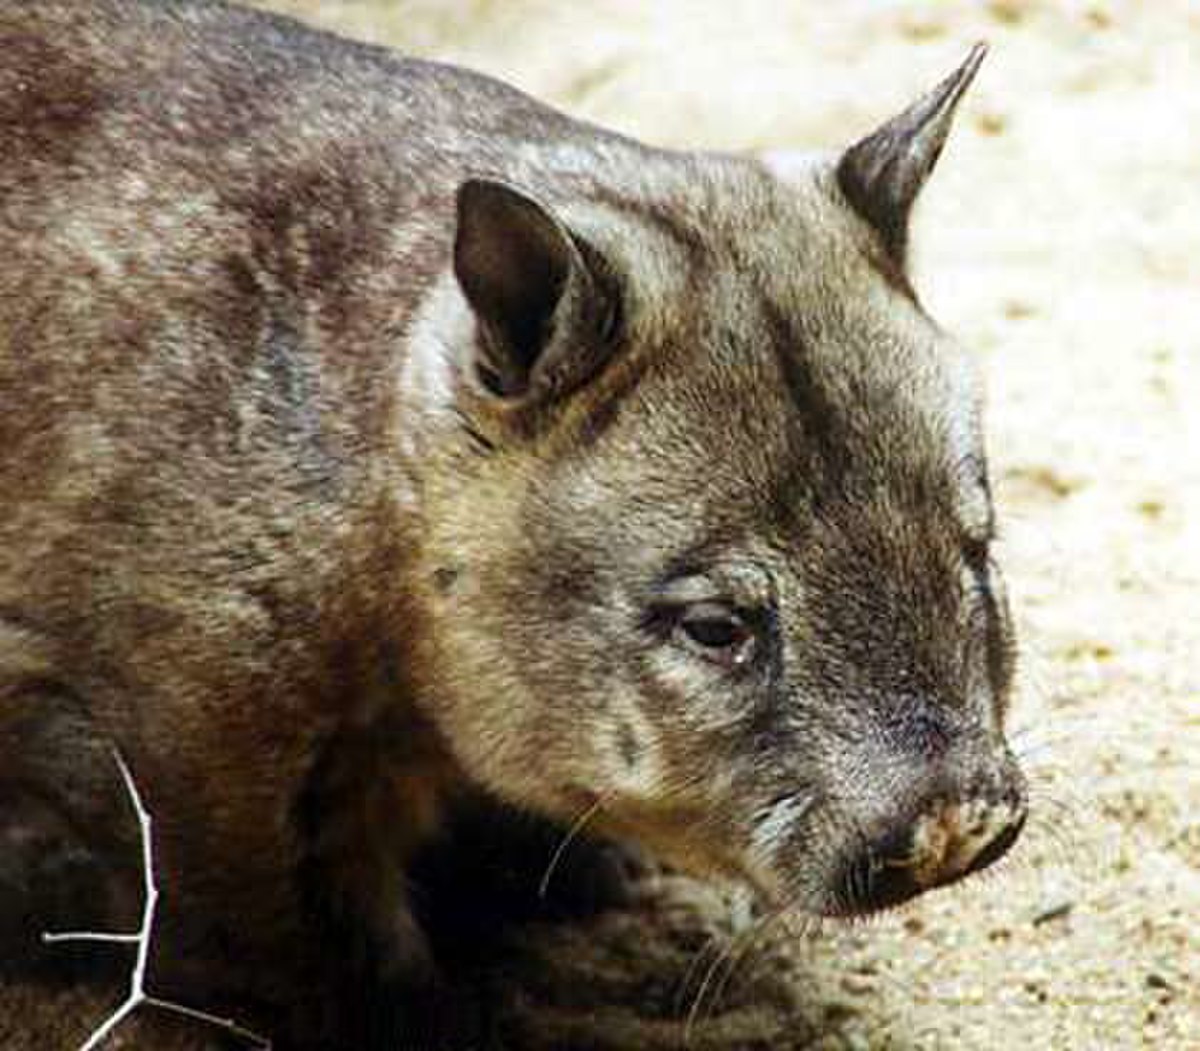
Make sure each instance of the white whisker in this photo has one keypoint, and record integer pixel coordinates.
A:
(573, 831)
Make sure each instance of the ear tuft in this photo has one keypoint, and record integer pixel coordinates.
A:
(882, 174)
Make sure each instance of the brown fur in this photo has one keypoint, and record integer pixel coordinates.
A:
(327, 523)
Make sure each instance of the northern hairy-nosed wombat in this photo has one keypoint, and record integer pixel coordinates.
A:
(375, 438)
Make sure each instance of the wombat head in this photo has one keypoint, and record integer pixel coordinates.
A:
(711, 544)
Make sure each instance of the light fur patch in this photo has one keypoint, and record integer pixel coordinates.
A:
(642, 779)
(775, 826)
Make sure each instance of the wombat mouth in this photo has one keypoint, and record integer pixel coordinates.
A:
(882, 877)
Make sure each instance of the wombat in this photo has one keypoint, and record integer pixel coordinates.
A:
(379, 442)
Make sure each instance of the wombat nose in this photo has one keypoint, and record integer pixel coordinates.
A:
(949, 841)
(954, 839)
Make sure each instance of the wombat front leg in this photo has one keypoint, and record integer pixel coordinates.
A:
(366, 810)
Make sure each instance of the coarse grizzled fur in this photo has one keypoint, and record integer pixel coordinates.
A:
(386, 456)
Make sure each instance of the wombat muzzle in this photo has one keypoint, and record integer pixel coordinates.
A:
(948, 842)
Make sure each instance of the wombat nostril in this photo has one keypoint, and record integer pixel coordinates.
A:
(895, 850)
(999, 846)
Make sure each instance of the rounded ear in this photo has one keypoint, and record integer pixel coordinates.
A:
(543, 300)
(882, 174)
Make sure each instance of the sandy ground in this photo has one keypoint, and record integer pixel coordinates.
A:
(1061, 239)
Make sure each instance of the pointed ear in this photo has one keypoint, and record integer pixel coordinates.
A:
(543, 300)
(882, 174)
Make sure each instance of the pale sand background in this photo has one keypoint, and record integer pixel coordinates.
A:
(1061, 239)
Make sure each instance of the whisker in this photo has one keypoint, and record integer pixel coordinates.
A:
(713, 946)
(694, 1010)
(756, 933)
(573, 831)
(727, 963)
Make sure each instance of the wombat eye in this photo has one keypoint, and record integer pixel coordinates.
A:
(717, 633)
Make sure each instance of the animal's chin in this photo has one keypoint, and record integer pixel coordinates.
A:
(838, 906)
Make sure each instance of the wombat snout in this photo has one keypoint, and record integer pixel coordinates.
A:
(946, 842)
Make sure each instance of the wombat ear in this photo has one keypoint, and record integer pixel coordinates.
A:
(882, 174)
(543, 301)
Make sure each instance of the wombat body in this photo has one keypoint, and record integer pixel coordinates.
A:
(374, 438)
